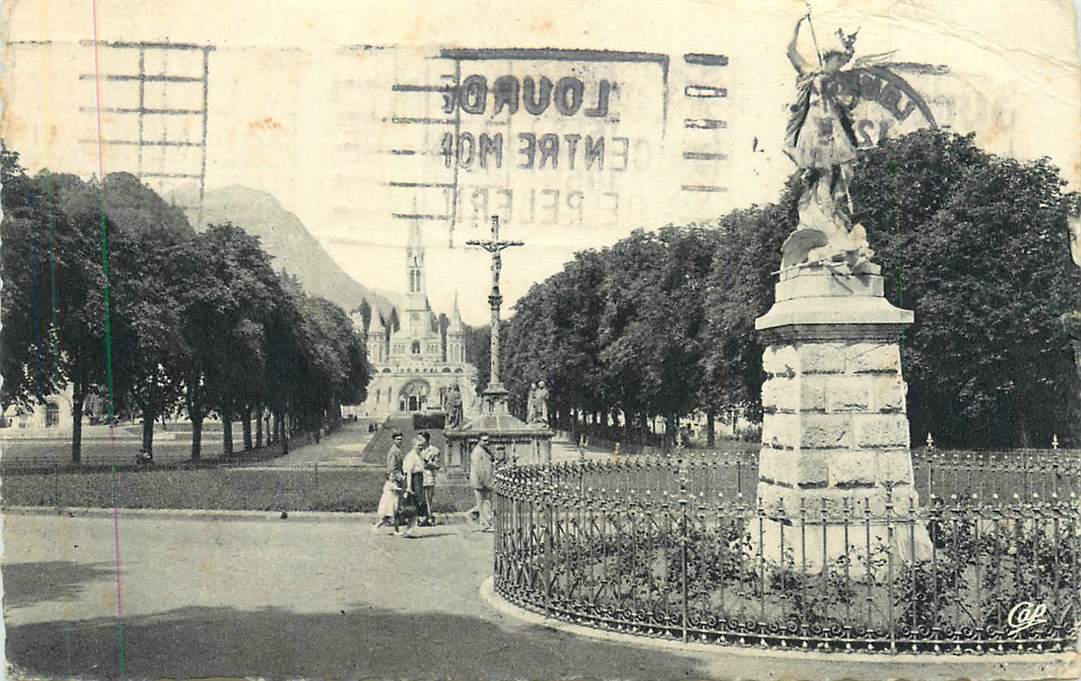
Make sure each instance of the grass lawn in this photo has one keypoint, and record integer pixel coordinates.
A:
(332, 488)
(326, 489)
(48, 453)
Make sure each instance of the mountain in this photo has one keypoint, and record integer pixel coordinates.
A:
(284, 236)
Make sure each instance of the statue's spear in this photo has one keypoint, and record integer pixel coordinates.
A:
(814, 39)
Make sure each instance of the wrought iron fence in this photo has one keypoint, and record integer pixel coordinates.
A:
(676, 548)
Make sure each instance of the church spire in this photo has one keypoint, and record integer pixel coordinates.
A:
(414, 266)
(455, 325)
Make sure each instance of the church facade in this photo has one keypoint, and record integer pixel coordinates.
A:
(411, 369)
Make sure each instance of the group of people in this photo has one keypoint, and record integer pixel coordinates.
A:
(409, 484)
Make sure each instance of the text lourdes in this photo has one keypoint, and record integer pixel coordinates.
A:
(535, 96)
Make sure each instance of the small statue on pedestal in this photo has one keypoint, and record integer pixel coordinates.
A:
(538, 404)
(453, 407)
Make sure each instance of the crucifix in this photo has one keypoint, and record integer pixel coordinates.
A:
(496, 393)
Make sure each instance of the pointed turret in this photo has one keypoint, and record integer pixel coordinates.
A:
(377, 340)
(455, 335)
(455, 317)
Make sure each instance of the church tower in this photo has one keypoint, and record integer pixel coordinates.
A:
(455, 336)
(377, 339)
(417, 300)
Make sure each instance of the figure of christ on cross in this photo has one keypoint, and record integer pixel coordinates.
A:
(495, 246)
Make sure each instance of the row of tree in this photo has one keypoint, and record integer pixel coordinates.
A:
(662, 323)
(108, 290)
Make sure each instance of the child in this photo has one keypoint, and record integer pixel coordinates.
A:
(388, 505)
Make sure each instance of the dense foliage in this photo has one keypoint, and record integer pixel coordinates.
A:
(662, 323)
(109, 291)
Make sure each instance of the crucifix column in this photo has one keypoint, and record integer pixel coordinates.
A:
(495, 396)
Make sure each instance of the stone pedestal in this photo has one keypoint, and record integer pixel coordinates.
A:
(517, 443)
(835, 430)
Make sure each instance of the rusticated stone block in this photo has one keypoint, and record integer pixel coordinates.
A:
(770, 469)
(894, 467)
(799, 470)
(780, 360)
(812, 392)
(780, 431)
(880, 430)
(851, 469)
(848, 393)
(824, 431)
(780, 394)
(821, 358)
(873, 357)
(888, 393)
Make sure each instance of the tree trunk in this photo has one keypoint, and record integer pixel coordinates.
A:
(245, 424)
(711, 422)
(284, 425)
(259, 426)
(77, 402)
(226, 436)
(196, 435)
(148, 433)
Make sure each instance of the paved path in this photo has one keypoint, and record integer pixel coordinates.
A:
(280, 599)
(342, 448)
(277, 599)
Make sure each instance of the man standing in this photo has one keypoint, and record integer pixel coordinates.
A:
(413, 469)
(394, 468)
(394, 455)
(481, 478)
(430, 455)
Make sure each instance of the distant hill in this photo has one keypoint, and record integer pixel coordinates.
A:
(284, 236)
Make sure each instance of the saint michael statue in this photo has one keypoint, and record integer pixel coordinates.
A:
(821, 141)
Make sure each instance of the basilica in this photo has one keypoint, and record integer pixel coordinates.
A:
(412, 369)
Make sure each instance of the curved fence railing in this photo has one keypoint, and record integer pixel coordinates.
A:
(673, 548)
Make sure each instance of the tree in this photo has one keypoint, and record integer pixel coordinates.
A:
(201, 301)
(977, 246)
(335, 366)
(554, 335)
(251, 291)
(632, 377)
(365, 310)
(82, 311)
(28, 267)
(477, 346)
(740, 289)
(146, 291)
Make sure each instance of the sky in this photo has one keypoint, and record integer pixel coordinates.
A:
(658, 111)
